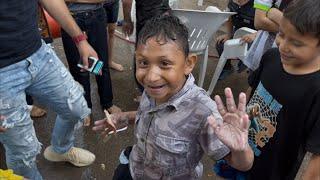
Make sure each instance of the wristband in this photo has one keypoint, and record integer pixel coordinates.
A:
(77, 39)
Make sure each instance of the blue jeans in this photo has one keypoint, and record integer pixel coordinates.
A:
(94, 24)
(43, 76)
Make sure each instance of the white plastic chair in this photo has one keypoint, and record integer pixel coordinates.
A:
(201, 25)
(233, 49)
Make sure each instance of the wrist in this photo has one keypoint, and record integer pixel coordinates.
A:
(79, 38)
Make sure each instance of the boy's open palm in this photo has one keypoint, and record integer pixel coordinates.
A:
(233, 131)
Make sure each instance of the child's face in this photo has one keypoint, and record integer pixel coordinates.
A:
(300, 54)
(162, 68)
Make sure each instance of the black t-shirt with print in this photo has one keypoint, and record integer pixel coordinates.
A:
(284, 110)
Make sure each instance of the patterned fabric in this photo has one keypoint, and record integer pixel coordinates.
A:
(172, 137)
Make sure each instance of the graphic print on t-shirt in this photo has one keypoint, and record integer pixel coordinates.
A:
(262, 110)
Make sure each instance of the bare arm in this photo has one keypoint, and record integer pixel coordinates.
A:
(59, 11)
(262, 22)
(275, 15)
(313, 168)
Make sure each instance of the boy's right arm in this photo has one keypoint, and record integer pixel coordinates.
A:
(116, 121)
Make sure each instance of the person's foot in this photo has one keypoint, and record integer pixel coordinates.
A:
(114, 109)
(116, 66)
(87, 120)
(225, 73)
(37, 112)
(76, 156)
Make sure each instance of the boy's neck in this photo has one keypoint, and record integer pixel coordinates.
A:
(303, 69)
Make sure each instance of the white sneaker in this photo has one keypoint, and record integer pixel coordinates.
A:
(76, 156)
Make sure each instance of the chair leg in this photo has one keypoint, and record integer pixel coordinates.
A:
(217, 72)
(203, 68)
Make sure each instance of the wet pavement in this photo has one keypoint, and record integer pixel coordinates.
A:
(125, 91)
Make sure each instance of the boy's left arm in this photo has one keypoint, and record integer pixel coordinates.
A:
(313, 168)
(233, 131)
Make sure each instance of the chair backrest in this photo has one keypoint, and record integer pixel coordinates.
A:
(201, 25)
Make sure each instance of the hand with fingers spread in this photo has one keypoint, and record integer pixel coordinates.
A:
(2, 129)
(233, 131)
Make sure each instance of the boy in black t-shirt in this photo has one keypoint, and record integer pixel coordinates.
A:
(284, 107)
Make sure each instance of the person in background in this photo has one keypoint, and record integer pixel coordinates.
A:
(243, 18)
(267, 26)
(28, 65)
(91, 18)
(112, 11)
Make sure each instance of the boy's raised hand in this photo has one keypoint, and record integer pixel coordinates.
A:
(233, 131)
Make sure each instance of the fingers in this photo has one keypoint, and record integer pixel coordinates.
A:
(220, 106)
(231, 106)
(99, 125)
(245, 122)
(242, 102)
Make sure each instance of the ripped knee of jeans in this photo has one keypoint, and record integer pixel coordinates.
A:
(77, 103)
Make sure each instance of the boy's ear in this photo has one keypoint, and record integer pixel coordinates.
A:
(190, 63)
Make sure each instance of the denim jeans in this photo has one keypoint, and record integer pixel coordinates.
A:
(94, 24)
(43, 76)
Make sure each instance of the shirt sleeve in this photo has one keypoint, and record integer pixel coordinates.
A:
(263, 5)
(210, 143)
(313, 138)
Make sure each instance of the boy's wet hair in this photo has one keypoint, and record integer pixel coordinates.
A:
(304, 15)
(165, 28)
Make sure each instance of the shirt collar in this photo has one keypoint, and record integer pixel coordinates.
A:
(176, 99)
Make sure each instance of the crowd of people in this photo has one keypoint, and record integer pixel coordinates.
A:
(264, 136)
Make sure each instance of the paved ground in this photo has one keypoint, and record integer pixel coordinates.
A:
(124, 91)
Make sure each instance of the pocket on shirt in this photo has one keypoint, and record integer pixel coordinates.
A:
(172, 151)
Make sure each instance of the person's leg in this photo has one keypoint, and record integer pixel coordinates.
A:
(112, 10)
(53, 85)
(20, 141)
(35, 111)
(73, 59)
(97, 36)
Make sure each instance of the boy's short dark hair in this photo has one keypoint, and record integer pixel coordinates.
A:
(304, 15)
(165, 28)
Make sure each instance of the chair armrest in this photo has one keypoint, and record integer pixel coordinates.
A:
(243, 31)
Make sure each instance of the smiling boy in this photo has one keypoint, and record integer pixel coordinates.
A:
(286, 90)
(171, 128)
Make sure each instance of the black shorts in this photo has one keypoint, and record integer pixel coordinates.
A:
(112, 10)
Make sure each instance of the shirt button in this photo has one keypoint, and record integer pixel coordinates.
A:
(141, 139)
